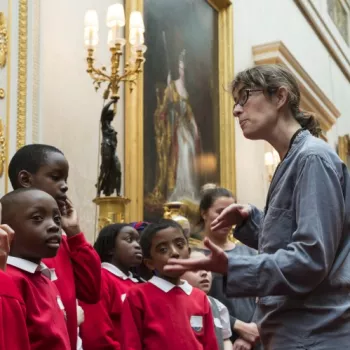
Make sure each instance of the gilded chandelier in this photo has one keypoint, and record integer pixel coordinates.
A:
(113, 77)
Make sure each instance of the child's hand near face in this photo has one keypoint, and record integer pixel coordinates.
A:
(70, 221)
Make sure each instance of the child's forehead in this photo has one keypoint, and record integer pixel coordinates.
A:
(168, 234)
(55, 160)
(128, 230)
(33, 199)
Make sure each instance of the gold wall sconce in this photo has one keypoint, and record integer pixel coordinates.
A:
(112, 208)
(115, 21)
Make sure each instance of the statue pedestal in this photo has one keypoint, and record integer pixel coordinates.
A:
(110, 210)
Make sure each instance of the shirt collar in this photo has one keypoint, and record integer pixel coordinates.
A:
(117, 272)
(31, 267)
(167, 286)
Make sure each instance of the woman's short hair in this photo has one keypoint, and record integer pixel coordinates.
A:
(270, 77)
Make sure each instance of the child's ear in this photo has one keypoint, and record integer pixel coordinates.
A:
(149, 264)
(25, 178)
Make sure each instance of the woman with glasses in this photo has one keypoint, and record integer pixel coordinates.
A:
(302, 274)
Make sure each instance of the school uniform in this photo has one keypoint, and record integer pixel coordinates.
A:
(101, 328)
(161, 315)
(45, 321)
(13, 328)
(79, 268)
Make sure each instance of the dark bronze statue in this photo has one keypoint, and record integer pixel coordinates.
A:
(110, 176)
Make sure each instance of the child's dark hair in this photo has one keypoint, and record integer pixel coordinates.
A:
(10, 200)
(209, 196)
(150, 232)
(29, 158)
(105, 242)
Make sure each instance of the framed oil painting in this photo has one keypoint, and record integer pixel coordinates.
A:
(181, 109)
(182, 119)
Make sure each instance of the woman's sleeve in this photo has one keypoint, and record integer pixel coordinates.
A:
(248, 232)
(305, 262)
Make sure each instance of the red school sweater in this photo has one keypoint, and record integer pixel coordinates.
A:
(13, 328)
(101, 328)
(46, 322)
(156, 319)
(78, 270)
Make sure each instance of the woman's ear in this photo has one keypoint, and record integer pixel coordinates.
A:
(282, 97)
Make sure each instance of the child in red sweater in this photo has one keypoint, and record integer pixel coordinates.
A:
(119, 250)
(77, 265)
(36, 219)
(13, 311)
(166, 312)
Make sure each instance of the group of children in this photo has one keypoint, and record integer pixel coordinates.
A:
(50, 266)
(168, 311)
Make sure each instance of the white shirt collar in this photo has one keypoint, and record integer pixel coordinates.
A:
(167, 286)
(31, 267)
(117, 272)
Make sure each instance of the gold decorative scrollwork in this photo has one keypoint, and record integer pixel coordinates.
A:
(3, 40)
(2, 148)
(22, 74)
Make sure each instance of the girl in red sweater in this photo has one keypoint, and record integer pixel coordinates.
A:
(119, 251)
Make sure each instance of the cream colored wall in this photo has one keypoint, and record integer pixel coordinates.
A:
(257, 22)
(70, 107)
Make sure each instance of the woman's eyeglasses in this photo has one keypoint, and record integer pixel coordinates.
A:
(245, 94)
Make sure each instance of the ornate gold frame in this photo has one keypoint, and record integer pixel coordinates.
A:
(344, 148)
(22, 73)
(22, 79)
(133, 166)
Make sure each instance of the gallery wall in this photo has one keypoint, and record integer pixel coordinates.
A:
(70, 107)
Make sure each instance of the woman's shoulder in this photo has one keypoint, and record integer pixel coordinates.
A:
(314, 146)
(315, 149)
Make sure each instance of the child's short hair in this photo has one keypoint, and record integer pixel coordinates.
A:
(29, 158)
(150, 232)
(105, 242)
(10, 200)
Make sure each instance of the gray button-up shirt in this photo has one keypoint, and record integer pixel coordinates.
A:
(302, 274)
